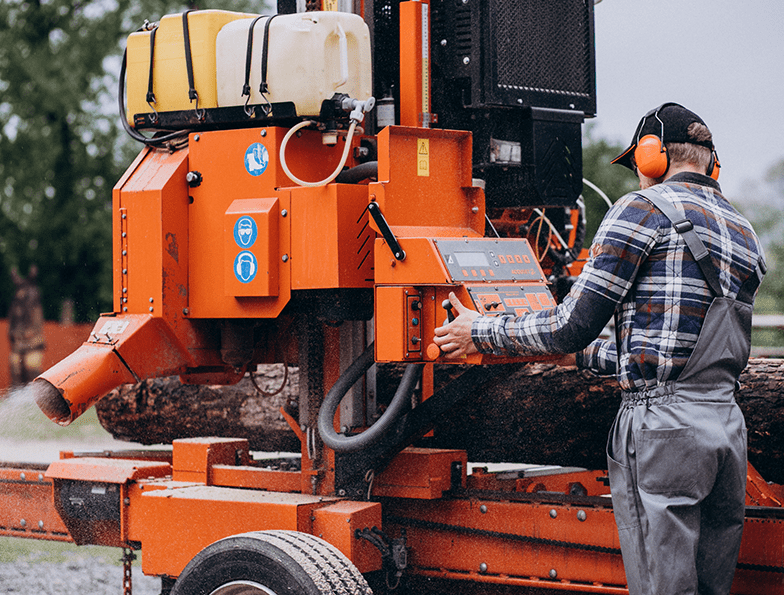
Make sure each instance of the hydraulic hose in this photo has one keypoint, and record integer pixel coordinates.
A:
(333, 175)
(400, 403)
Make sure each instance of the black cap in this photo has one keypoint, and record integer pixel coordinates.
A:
(670, 119)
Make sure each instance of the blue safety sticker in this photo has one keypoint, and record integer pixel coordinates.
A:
(245, 231)
(256, 159)
(245, 266)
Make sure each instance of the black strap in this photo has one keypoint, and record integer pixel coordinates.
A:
(248, 56)
(192, 94)
(263, 87)
(150, 93)
(749, 288)
(686, 229)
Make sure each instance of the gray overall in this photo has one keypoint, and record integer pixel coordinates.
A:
(677, 454)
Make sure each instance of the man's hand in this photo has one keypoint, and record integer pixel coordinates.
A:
(454, 338)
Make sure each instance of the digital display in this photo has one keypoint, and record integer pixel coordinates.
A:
(472, 259)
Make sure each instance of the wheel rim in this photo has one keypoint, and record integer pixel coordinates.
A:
(243, 588)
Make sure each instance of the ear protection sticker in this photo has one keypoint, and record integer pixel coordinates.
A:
(245, 267)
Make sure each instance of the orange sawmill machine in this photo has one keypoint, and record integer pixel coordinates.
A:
(312, 186)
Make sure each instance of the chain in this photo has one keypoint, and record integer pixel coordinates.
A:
(127, 559)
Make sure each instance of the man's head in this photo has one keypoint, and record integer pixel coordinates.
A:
(669, 138)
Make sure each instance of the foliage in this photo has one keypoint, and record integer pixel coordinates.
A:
(61, 144)
(613, 180)
(764, 206)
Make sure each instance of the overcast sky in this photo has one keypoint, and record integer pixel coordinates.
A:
(723, 59)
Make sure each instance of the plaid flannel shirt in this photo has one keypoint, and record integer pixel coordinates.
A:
(639, 267)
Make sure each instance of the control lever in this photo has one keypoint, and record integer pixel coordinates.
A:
(385, 230)
(433, 351)
(447, 305)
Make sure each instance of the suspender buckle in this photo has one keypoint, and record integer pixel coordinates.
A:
(683, 225)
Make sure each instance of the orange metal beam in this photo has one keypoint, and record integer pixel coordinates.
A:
(27, 508)
(415, 64)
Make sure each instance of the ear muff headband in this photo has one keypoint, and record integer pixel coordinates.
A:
(714, 166)
(650, 154)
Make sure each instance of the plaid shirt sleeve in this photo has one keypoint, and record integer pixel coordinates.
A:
(623, 241)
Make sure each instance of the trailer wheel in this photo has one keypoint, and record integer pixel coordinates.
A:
(271, 563)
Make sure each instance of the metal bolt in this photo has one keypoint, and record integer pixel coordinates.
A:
(124, 234)
(474, 209)
(285, 258)
(127, 501)
(125, 309)
(125, 300)
(125, 290)
(196, 137)
(125, 253)
(341, 492)
(443, 42)
(40, 477)
(553, 573)
(581, 516)
(483, 567)
(263, 133)
(185, 311)
(151, 308)
(553, 513)
(23, 523)
(283, 213)
(124, 216)
(125, 271)
(483, 509)
(40, 524)
(22, 476)
(151, 300)
(466, 60)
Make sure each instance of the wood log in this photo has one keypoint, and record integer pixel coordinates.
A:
(535, 413)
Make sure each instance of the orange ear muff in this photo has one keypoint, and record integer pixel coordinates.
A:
(651, 157)
(714, 166)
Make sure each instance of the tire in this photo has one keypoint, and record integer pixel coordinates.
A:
(271, 563)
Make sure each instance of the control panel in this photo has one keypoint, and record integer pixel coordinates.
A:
(517, 300)
(489, 260)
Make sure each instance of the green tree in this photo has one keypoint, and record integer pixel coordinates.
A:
(613, 180)
(61, 144)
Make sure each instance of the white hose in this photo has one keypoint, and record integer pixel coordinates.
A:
(334, 174)
(598, 191)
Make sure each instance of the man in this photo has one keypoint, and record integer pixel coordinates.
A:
(677, 450)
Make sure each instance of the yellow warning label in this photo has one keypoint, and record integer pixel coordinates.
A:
(423, 156)
(330, 5)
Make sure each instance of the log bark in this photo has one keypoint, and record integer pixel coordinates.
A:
(535, 413)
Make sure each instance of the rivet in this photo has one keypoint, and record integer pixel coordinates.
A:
(553, 573)
(125, 235)
(22, 476)
(283, 213)
(40, 477)
(124, 216)
(125, 253)
(263, 133)
(23, 523)
(185, 311)
(285, 258)
(474, 209)
(483, 509)
(40, 524)
(553, 513)
(341, 492)
(483, 567)
(581, 516)
(127, 501)
(443, 42)
(196, 137)
(125, 309)
(151, 308)
(151, 300)
(125, 290)
(125, 271)
(466, 60)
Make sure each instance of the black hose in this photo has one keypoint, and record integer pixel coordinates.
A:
(400, 403)
(357, 174)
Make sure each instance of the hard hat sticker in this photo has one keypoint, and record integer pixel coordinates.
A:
(245, 267)
(245, 231)
(256, 159)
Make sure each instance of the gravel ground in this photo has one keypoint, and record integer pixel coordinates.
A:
(78, 575)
